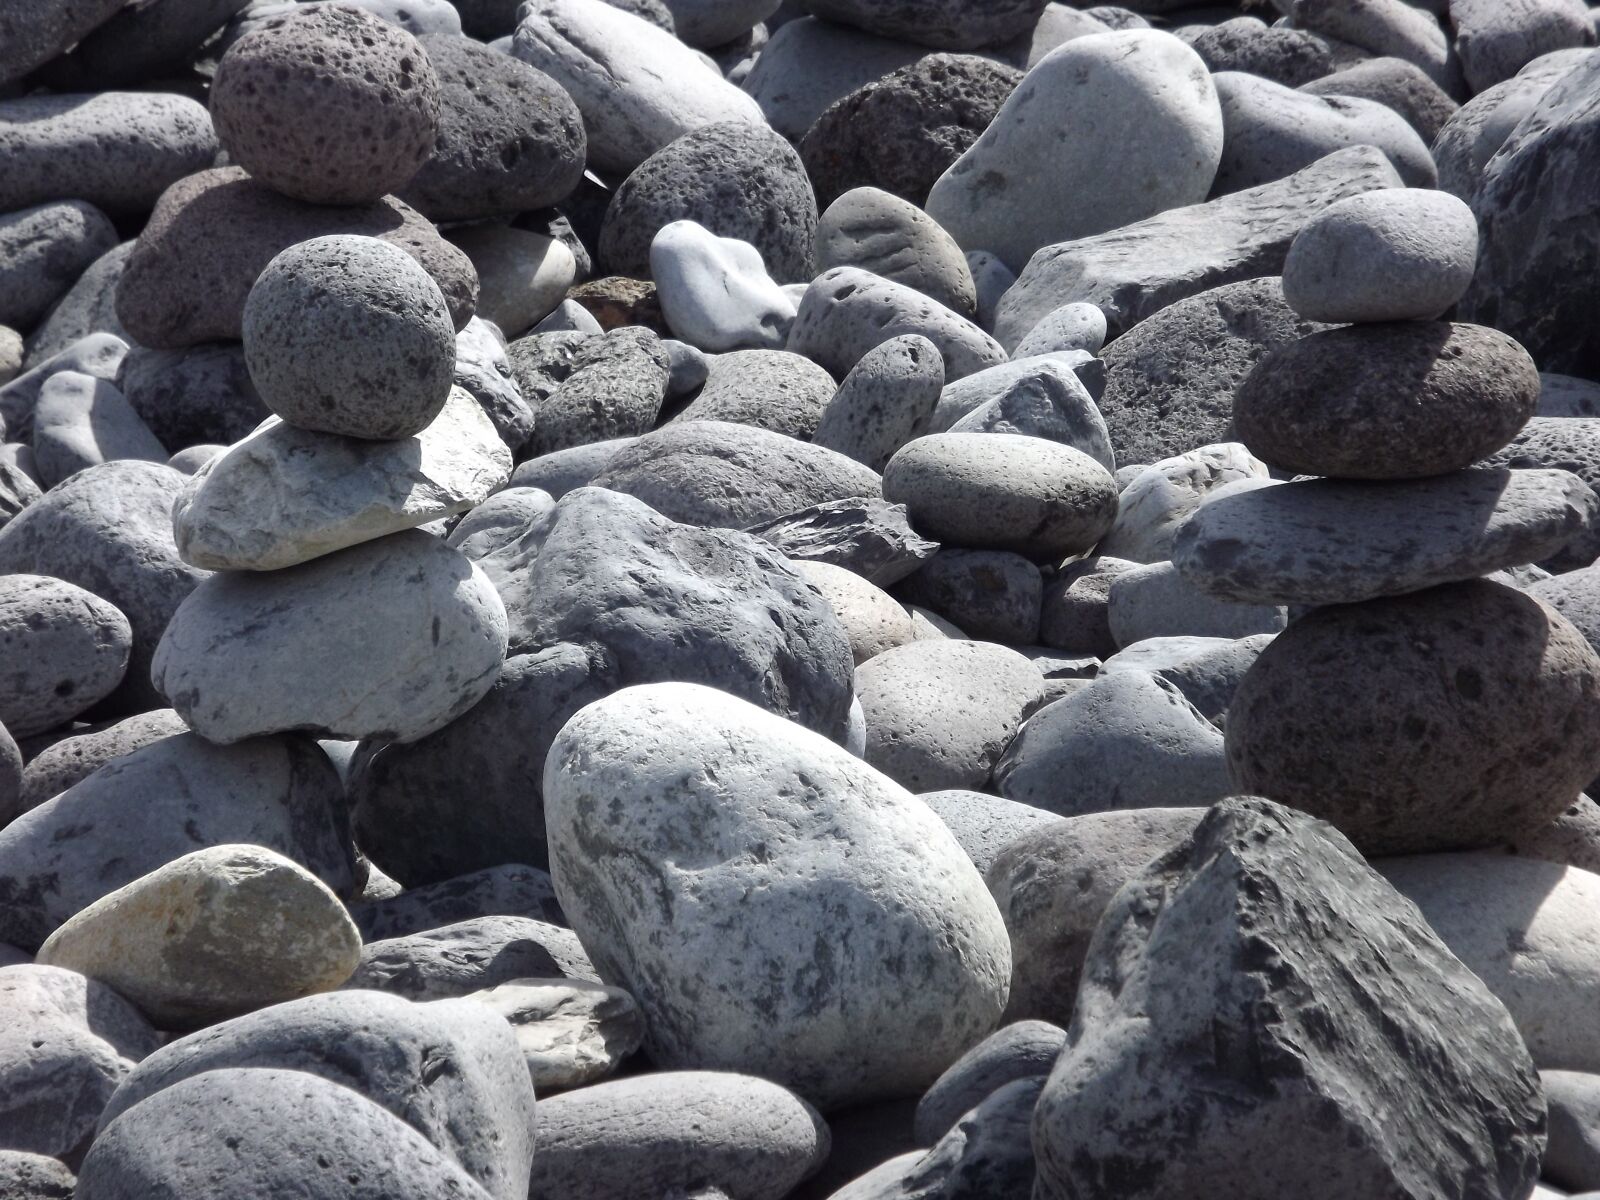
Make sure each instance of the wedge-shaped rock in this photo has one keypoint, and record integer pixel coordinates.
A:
(286, 495)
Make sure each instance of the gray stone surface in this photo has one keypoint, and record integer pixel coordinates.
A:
(1572, 1157)
(570, 1032)
(468, 956)
(715, 293)
(311, 77)
(882, 233)
(43, 250)
(1153, 600)
(138, 45)
(498, 520)
(847, 848)
(1442, 769)
(80, 422)
(990, 594)
(159, 803)
(1074, 613)
(28, 1176)
(1496, 38)
(192, 396)
(982, 823)
(1382, 27)
(1075, 326)
(1161, 497)
(614, 389)
(773, 390)
(1341, 1021)
(873, 621)
(1045, 396)
(62, 764)
(1567, 396)
(511, 890)
(1334, 541)
(1396, 82)
(35, 31)
(941, 24)
(1021, 1050)
(63, 649)
(564, 470)
(810, 63)
(484, 371)
(871, 537)
(1291, 57)
(887, 399)
(99, 354)
(1207, 671)
(1141, 268)
(522, 275)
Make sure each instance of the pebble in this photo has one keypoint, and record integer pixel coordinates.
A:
(1496, 40)
(939, 713)
(982, 823)
(1335, 541)
(873, 620)
(904, 130)
(1075, 326)
(1154, 600)
(810, 63)
(617, 68)
(737, 179)
(81, 422)
(1396, 83)
(349, 335)
(994, 595)
(887, 399)
(62, 764)
(1004, 194)
(1043, 397)
(289, 87)
(522, 276)
(571, 1033)
(469, 956)
(1074, 609)
(731, 776)
(613, 388)
(213, 934)
(196, 395)
(213, 233)
(869, 537)
(394, 637)
(42, 250)
(894, 239)
(715, 292)
(1291, 57)
(483, 371)
(1324, 405)
(64, 649)
(1383, 27)
(117, 151)
(89, 306)
(100, 355)
(1382, 256)
(1163, 495)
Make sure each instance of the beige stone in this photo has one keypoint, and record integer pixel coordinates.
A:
(571, 1031)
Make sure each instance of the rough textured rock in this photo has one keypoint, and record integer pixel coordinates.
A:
(327, 74)
(901, 132)
(1330, 1013)
(213, 232)
(990, 594)
(1402, 85)
(449, 1070)
(1382, 27)
(873, 620)
(872, 538)
(810, 63)
(1496, 38)
(89, 306)
(1335, 541)
(196, 395)
(158, 803)
(940, 24)
(1572, 1158)
(768, 389)
(614, 389)
(1139, 269)
(570, 1032)
(1325, 405)
(28, 1176)
(1074, 613)
(301, 645)
(483, 369)
(1023, 1050)
(56, 768)
(837, 851)
(63, 649)
(893, 238)
(512, 890)
(1154, 600)
(982, 823)
(457, 960)
(35, 31)
(701, 1133)
(99, 355)
(888, 398)
(220, 932)
(1161, 497)
(1043, 397)
(1291, 57)
(42, 250)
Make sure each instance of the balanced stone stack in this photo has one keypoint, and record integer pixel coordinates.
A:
(1388, 547)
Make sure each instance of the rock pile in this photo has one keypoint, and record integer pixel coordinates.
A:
(834, 600)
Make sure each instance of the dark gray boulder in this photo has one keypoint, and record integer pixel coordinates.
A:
(510, 890)
(871, 537)
(1021, 1050)
(469, 956)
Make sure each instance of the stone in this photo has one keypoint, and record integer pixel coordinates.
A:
(286, 495)
(483, 370)
(869, 537)
(982, 823)
(42, 251)
(1057, 24)
(509, 137)
(1260, 928)
(1207, 671)
(56, 768)
(1153, 601)
(568, 316)
(810, 63)
(1567, 396)
(35, 31)
(11, 353)
(563, 471)
(1535, 229)
(709, 24)
(1134, 271)
(1291, 57)
(18, 489)
(715, 292)
(676, 1133)
(498, 520)
(213, 233)
(1496, 40)
(1075, 326)
(311, 77)
(140, 811)
(993, 279)
(847, 311)
(1572, 1157)
(449, 1070)
(731, 476)
(267, 1131)
(108, 530)
(27, 1176)
(994, 595)
(1273, 131)
(1396, 83)
(522, 276)
(147, 43)
(99, 355)
(1300, 726)
(773, 390)
(995, 196)
(469, 956)
(616, 66)
(615, 389)
(1392, 255)
(887, 399)
(349, 335)
(873, 620)
(1296, 543)
(220, 932)
(1053, 884)
(509, 890)
(1022, 1050)
(1382, 27)
(1523, 927)
(670, 601)
(1571, 444)
(64, 649)
(191, 458)
(939, 713)
(81, 421)
(1002, 491)
(1325, 405)
(67, 1043)
(735, 179)
(941, 24)
(836, 852)
(571, 1033)
(1074, 610)
(1162, 496)
(895, 240)
(616, 300)
(308, 627)
(1130, 740)
(902, 131)
(192, 396)
(1040, 397)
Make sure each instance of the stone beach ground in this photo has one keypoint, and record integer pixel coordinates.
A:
(741, 599)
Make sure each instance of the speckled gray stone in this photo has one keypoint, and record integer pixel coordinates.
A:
(59, 766)
(1402, 85)
(769, 389)
(287, 90)
(1040, 397)
(467, 956)
(870, 537)
(28, 1176)
(63, 649)
(81, 422)
(1161, 497)
(893, 238)
(613, 387)
(43, 250)
(1496, 38)
(35, 31)
(1021, 1050)
(990, 594)
(1291, 57)
(982, 823)
(89, 306)
(887, 399)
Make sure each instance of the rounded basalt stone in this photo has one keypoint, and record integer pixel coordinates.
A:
(62, 649)
(942, 24)
(901, 132)
(1457, 717)
(1387, 401)
(737, 179)
(1396, 82)
(1288, 56)
(349, 335)
(328, 104)
(510, 138)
